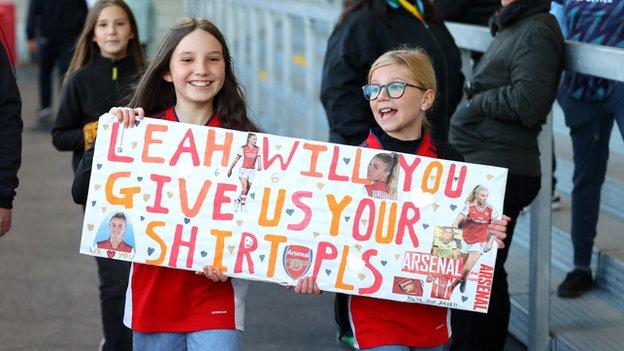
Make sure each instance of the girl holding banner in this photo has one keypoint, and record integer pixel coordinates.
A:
(190, 80)
(107, 60)
(401, 89)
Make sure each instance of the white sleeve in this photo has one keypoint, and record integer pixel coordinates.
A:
(465, 210)
(495, 214)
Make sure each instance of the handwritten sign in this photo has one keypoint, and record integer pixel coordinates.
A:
(263, 207)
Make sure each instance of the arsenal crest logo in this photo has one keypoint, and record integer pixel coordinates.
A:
(297, 260)
(407, 286)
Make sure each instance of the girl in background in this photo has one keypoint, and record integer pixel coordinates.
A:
(108, 58)
(190, 80)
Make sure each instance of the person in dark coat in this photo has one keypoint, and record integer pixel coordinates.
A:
(591, 106)
(497, 123)
(366, 29)
(52, 28)
(10, 139)
(476, 12)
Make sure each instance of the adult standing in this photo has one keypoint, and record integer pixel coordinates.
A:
(497, 123)
(590, 105)
(368, 28)
(52, 28)
(11, 139)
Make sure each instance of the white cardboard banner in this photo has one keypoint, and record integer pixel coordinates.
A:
(160, 194)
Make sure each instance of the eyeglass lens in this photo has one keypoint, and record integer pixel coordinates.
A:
(394, 90)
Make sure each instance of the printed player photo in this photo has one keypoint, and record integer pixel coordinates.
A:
(382, 173)
(474, 220)
(115, 233)
(250, 153)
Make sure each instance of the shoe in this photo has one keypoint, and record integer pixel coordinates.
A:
(556, 201)
(457, 282)
(488, 245)
(576, 283)
(348, 342)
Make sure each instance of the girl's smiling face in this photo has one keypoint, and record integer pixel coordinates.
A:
(112, 32)
(401, 118)
(196, 68)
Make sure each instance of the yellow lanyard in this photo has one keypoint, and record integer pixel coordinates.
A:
(412, 9)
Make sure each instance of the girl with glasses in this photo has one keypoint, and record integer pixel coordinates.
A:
(403, 127)
(365, 30)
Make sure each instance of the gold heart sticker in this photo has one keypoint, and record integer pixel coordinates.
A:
(169, 194)
(358, 247)
(432, 177)
(90, 227)
(320, 186)
(315, 234)
(231, 248)
(97, 186)
(397, 256)
(105, 126)
(361, 276)
(103, 209)
(364, 221)
(489, 176)
(239, 222)
(435, 206)
(278, 146)
(146, 197)
(134, 144)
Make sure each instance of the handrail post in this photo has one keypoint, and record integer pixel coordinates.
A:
(539, 264)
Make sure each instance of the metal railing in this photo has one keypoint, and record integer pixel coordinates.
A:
(278, 48)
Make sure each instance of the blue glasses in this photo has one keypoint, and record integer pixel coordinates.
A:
(393, 89)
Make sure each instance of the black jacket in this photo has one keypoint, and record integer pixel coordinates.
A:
(90, 92)
(512, 90)
(55, 19)
(10, 131)
(80, 186)
(357, 43)
(468, 11)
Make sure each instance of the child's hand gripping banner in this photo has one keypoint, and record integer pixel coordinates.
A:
(263, 207)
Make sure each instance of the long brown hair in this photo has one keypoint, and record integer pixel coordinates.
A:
(155, 94)
(380, 8)
(85, 48)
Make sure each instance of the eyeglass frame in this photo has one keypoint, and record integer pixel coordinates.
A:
(385, 86)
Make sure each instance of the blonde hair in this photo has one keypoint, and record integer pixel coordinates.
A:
(416, 65)
(391, 160)
(473, 194)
